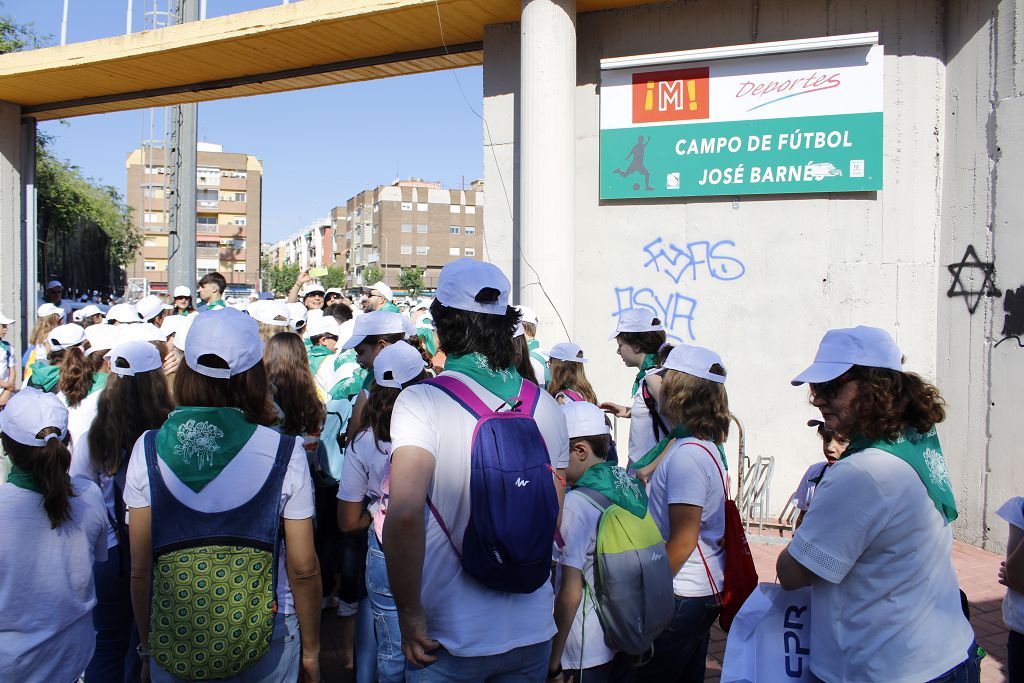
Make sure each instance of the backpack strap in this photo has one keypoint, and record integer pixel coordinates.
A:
(652, 408)
(596, 498)
(569, 393)
(461, 394)
(711, 580)
(529, 395)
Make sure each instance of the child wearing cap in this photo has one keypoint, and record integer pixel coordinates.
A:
(216, 470)
(365, 475)
(448, 619)
(8, 376)
(211, 291)
(62, 339)
(568, 378)
(48, 317)
(640, 337)
(579, 647)
(686, 483)
(875, 547)
(323, 335)
(55, 528)
(82, 376)
(371, 333)
(183, 301)
(538, 358)
(135, 399)
(832, 446)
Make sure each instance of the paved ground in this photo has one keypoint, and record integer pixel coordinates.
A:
(976, 568)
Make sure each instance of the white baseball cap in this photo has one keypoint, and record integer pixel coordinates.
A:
(66, 336)
(102, 337)
(90, 310)
(172, 324)
(583, 419)
(397, 364)
(519, 331)
(384, 290)
(324, 324)
(567, 351)
(334, 290)
(123, 313)
(182, 290)
(231, 335)
(309, 288)
(4, 320)
(528, 314)
(181, 331)
(270, 312)
(53, 284)
(296, 316)
(49, 309)
(136, 357)
(29, 412)
(474, 286)
(373, 324)
(696, 361)
(145, 332)
(76, 315)
(637, 320)
(843, 348)
(150, 307)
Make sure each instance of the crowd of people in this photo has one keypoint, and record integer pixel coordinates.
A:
(189, 485)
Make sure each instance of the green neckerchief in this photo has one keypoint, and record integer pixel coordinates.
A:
(350, 386)
(617, 486)
(367, 381)
(185, 312)
(214, 305)
(650, 361)
(388, 306)
(198, 443)
(924, 454)
(99, 380)
(534, 345)
(23, 479)
(44, 376)
(505, 384)
(429, 340)
(317, 354)
(346, 356)
(678, 432)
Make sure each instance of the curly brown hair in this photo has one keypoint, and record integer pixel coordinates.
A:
(76, 378)
(700, 404)
(887, 402)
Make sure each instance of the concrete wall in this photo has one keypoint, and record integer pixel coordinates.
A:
(809, 262)
(11, 248)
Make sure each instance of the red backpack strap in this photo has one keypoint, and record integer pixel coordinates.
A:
(711, 580)
(717, 466)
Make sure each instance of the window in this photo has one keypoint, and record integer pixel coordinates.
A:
(240, 267)
(149, 242)
(200, 272)
(150, 265)
(238, 220)
(153, 217)
(153, 191)
(156, 170)
(233, 196)
(470, 251)
(453, 251)
(422, 207)
(455, 208)
(421, 228)
(470, 209)
(238, 244)
(406, 227)
(406, 206)
(206, 220)
(422, 251)
(470, 230)
(406, 248)
(454, 229)
(230, 173)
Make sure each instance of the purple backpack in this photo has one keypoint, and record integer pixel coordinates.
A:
(513, 506)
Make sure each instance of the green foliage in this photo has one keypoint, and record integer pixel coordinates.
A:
(335, 277)
(411, 280)
(14, 36)
(282, 278)
(372, 275)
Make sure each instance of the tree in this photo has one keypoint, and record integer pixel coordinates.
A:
(411, 280)
(282, 278)
(372, 275)
(14, 36)
(335, 277)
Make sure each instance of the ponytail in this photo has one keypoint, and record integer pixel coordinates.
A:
(48, 464)
(76, 378)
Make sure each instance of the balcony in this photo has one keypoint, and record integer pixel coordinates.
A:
(231, 206)
(208, 204)
(206, 252)
(207, 228)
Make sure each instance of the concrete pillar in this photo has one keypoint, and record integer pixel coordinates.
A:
(545, 232)
(12, 251)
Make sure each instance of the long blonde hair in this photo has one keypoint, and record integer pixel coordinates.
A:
(41, 332)
(565, 374)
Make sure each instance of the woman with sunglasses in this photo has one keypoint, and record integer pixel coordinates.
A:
(876, 546)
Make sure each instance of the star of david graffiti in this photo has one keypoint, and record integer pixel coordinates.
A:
(963, 279)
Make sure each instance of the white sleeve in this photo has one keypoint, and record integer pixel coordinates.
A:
(413, 421)
(686, 481)
(849, 510)
(99, 512)
(1012, 511)
(555, 431)
(575, 533)
(355, 475)
(297, 489)
(325, 375)
(136, 487)
(81, 461)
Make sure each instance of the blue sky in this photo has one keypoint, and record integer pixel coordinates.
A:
(318, 147)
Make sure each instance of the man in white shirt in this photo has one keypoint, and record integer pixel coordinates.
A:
(453, 627)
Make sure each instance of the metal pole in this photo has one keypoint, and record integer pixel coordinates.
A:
(64, 25)
(29, 238)
(202, 9)
(128, 19)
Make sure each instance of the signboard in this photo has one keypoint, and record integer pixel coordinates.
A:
(728, 122)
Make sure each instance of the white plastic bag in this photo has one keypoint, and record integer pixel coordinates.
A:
(770, 638)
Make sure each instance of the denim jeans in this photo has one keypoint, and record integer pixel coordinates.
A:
(619, 670)
(388, 637)
(527, 664)
(681, 651)
(115, 660)
(967, 671)
(279, 665)
(1015, 656)
(365, 648)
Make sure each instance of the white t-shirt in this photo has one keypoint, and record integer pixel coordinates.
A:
(538, 371)
(579, 531)
(6, 362)
(688, 475)
(641, 426)
(237, 483)
(46, 586)
(461, 613)
(363, 471)
(81, 416)
(886, 599)
(1013, 604)
(805, 490)
(82, 467)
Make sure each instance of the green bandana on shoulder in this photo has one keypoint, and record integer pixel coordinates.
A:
(44, 376)
(317, 354)
(650, 361)
(99, 380)
(23, 479)
(388, 306)
(534, 347)
(505, 384)
(924, 454)
(617, 486)
(678, 432)
(198, 443)
(214, 305)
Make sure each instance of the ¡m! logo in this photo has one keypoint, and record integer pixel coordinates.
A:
(522, 482)
(674, 95)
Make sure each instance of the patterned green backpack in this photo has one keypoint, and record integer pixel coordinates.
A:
(214, 577)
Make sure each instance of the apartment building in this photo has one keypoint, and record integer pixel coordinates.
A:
(228, 202)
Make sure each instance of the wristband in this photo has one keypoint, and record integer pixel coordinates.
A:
(142, 651)
(556, 672)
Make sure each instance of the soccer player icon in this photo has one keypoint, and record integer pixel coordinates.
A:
(637, 164)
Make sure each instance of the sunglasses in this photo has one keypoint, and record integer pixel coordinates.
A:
(830, 389)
